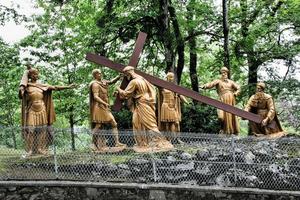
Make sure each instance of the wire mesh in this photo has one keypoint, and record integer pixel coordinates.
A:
(197, 159)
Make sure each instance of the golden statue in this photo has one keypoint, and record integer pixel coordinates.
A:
(262, 104)
(169, 113)
(227, 91)
(101, 114)
(37, 112)
(141, 96)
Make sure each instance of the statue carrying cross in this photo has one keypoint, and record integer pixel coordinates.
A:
(178, 89)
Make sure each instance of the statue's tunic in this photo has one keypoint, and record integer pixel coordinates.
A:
(100, 113)
(37, 112)
(225, 90)
(38, 105)
(169, 107)
(263, 105)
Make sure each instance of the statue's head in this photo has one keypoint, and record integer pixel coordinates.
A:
(128, 71)
(260, 86)
(170, 76)
(33, 74)
(224, 72)
(96, 73)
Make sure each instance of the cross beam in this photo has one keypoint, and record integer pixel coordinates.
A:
(138, 48)
(180, 90)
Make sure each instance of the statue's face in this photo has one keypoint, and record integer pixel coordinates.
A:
(128, 75)
(259, 89)
(224, 74)
(97, 76)
(170, 78)
(34, 75)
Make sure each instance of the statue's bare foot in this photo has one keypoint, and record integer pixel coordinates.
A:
(28, 154)
(180, 141)
(102, 150)
(119, 144)
(43, 152)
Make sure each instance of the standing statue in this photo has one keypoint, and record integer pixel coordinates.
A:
(169, 112)
(101, 114)
(262, 104)
(227, 91)
(37, 112)
(141, 96)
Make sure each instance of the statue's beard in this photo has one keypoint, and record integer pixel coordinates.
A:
(259, 94)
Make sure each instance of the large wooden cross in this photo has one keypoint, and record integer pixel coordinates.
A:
(180, 90)
(132, 62)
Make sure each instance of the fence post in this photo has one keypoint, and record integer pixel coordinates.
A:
(55, 155)
(153, 160)
(234, 159)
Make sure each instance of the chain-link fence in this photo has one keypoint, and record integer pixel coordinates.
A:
(198, 159)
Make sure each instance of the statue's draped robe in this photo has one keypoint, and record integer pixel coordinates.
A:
(98, 111)
(263, 105)
(225, 90)
(143, 97)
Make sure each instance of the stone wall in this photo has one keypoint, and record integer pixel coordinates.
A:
(41, 190)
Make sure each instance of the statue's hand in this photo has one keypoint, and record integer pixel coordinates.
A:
(72, 86)
(121, 76)
(264, 122)
(116, 93)
(21, 91)
(202, 87)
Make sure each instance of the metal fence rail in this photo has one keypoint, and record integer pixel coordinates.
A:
(203, 159)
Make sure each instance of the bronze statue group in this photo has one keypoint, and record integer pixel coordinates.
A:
(38, 111)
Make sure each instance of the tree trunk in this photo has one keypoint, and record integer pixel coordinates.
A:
(71, 121)
(193, 64)
(192, 47)
(226, 34)
(165, 34)
(179, 44)
(253, 64)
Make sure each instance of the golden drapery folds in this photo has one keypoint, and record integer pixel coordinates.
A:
(263, 105)
(227, 90)
(37, 115)
(146, 133)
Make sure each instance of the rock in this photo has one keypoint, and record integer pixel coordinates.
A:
(157, 195)
(11, 189)
(26, 190)
(3, 190)
(13, 197)
(185, 156)
(185, 166)
(294, 165)
(223, 180)
(2, 195)
(57, 193)
(249, 157)
(34, 196)
(203, 154)
(91, 192)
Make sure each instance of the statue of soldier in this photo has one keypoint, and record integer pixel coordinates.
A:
(169, 112)
(101, 114)
(37, 112)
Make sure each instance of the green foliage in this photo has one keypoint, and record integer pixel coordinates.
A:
(60, 38)
(200, 118)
